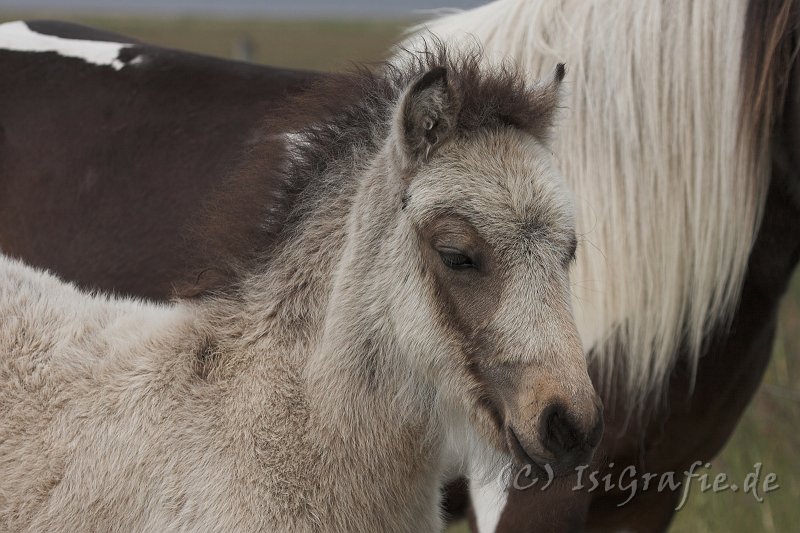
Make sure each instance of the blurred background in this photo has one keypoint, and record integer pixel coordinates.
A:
(325, 35)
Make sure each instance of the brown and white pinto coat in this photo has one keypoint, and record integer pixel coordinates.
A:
(121, 160)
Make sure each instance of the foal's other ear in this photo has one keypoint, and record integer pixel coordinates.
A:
(558, 75)
(544, 103)
(426, 116)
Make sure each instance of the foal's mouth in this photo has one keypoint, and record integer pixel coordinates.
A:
(521, 456)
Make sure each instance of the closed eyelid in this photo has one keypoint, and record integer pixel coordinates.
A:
(454, 233)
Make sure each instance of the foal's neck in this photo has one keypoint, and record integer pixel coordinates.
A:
(368, 439)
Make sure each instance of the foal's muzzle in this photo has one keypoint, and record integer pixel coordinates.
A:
(564, 442)
(571, 443)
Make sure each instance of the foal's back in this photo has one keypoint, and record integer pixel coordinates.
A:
(67, 360)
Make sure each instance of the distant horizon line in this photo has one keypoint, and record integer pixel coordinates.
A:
(229, 12)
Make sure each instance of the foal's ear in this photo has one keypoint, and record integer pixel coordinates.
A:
(426, 115)
(543, 106)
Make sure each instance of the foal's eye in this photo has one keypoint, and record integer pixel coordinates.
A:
(455, 260)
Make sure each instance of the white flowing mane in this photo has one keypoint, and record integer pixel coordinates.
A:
(668, 196)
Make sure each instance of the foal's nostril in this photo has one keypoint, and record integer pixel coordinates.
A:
(570, 442)
(560, 434)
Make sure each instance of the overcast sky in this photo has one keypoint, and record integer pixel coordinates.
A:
(244, 7)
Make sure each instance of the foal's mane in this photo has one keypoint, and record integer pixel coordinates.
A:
(284, 172)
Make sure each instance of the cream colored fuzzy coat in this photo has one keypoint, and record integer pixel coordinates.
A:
(105, 422)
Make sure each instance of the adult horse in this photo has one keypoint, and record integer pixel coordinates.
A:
(413, 303)
(760, 76)
(682, 145)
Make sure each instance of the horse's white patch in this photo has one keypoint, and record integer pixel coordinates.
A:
(17, 36)
(488, 501)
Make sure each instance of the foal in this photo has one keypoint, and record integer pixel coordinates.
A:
(415, 306)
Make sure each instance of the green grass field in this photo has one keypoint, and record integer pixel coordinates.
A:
(312, 44)
(767, 433)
